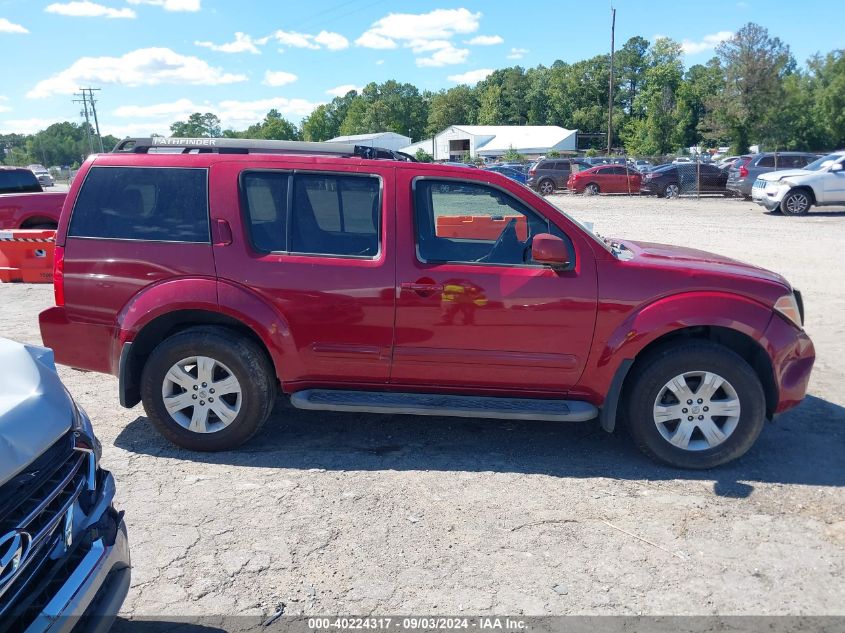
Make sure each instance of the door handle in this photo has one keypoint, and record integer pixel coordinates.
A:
(422, 288)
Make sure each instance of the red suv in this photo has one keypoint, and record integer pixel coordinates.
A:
(213, 274)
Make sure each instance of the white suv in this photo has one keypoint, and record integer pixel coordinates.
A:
(793, 192)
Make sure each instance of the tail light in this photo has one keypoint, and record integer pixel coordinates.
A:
(59, 275)
(532, 171)
(743, 171)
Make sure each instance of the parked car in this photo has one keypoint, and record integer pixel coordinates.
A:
(747, 168)
(63, 546)
(727, 161)
(24, 204)
(793, 192)
(549, 174)
(605, 179)
(42, 174)
(641, 165)
(669, 181)
(209, 281)
(681, 160)
(509, 172)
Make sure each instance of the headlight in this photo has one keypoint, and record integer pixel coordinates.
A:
(83, 433)
(788, 307)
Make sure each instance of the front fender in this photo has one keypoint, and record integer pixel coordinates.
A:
(611, 357)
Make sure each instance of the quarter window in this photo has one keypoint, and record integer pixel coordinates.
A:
(143, 203)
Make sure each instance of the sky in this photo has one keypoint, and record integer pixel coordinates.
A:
(157, 61)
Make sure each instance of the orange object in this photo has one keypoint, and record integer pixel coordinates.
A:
(27, 255)
(479, 227)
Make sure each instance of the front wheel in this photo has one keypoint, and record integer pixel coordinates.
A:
(795, 203)
(592, 189)
(695, 405)
(672, 191)
(207, 389)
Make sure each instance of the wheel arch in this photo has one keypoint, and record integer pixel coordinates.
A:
(38, 220)
(744, 345)
(805, 188)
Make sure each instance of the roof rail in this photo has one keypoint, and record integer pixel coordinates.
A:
(172, 145)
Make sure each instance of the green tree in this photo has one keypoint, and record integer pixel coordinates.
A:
(273, 127)
(632, 62)
(828, 96)
(456, 106)
(318, 126)
(197, 125)
(423, 156)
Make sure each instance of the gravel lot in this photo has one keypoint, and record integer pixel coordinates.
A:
(331, 513)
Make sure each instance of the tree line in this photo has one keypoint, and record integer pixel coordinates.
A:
(751, 92)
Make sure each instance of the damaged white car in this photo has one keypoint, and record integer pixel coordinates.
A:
(793, 192)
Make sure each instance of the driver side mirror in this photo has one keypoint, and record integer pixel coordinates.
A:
(836, 167)
(550, 250)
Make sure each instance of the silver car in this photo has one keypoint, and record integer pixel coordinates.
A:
(64, 555)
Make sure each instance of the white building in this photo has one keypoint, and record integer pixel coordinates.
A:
(494, 140)
(385, 140)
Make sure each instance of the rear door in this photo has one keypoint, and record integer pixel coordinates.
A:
(316, 246)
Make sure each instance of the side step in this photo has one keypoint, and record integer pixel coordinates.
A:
(445, 405)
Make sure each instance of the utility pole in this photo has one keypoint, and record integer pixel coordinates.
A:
(93, 102)
(610, 91)
(84, 102)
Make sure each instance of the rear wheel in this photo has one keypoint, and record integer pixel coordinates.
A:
(672, 190)
(695, 405)
(592, 189)
(206, 389)
(796, 202)
(546, 187)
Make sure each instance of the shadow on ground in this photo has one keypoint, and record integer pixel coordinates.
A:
(804, 446)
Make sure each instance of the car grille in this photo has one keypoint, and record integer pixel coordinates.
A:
(35, 502)
(759, 184)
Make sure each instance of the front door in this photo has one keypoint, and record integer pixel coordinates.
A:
(473, 310)
(834, 185)
(314, 246)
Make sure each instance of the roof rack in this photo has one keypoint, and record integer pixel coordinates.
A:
(172, 145)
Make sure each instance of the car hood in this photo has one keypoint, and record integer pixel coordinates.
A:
(35, 409)
(784, 173)
(700, 261)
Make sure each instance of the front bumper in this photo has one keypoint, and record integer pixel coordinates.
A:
(792, 354)
(649, 189)
(90, 598)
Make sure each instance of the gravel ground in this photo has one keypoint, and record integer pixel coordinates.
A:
(332, 513)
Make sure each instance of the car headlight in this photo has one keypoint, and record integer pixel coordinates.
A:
(789, 307)
(83, 433)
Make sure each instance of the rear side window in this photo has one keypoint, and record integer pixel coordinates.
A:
(18, 181)
(160, 204)
(766, 161)
(315, 214)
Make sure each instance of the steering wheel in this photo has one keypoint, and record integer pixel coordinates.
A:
(508, 241)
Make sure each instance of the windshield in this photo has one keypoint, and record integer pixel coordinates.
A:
(824, 161)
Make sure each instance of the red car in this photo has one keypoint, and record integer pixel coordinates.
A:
(24, 204)
(211, 279)
(605, 179)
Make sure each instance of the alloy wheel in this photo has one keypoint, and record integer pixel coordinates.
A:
(201, 394)
(696, 410)
(797, 203)
(547, 188)
(672, 191)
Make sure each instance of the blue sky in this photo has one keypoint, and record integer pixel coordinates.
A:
(158, 60)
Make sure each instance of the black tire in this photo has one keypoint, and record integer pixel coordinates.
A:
(796, 202)
(546, 187)
(671, 190)
(647, 382)
(592, 189)
(242, 356)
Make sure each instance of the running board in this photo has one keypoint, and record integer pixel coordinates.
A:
(445, 405)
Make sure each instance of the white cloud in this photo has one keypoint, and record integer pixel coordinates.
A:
(706, 43)
(25, 126)
(445, 56)
(423, 33)
(278, 78)
(243, 43)
(171, 5)
(471, 76)
(341, 91)
(332, 41)
(485, 40)
(239, 114)
(176, 109)
(324, 39)
(379, 62)
(86, 9)
(518, 53)
(10, 27)
(135, 130)
(142, 67)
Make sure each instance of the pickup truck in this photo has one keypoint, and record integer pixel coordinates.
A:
(24, 204)
(793, 192)
(213, 277)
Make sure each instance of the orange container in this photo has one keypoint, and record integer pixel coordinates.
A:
(479, 227)
(27, 255)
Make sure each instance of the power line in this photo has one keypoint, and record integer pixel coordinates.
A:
(87, 100)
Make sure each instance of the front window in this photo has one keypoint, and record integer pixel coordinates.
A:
(473, 223)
